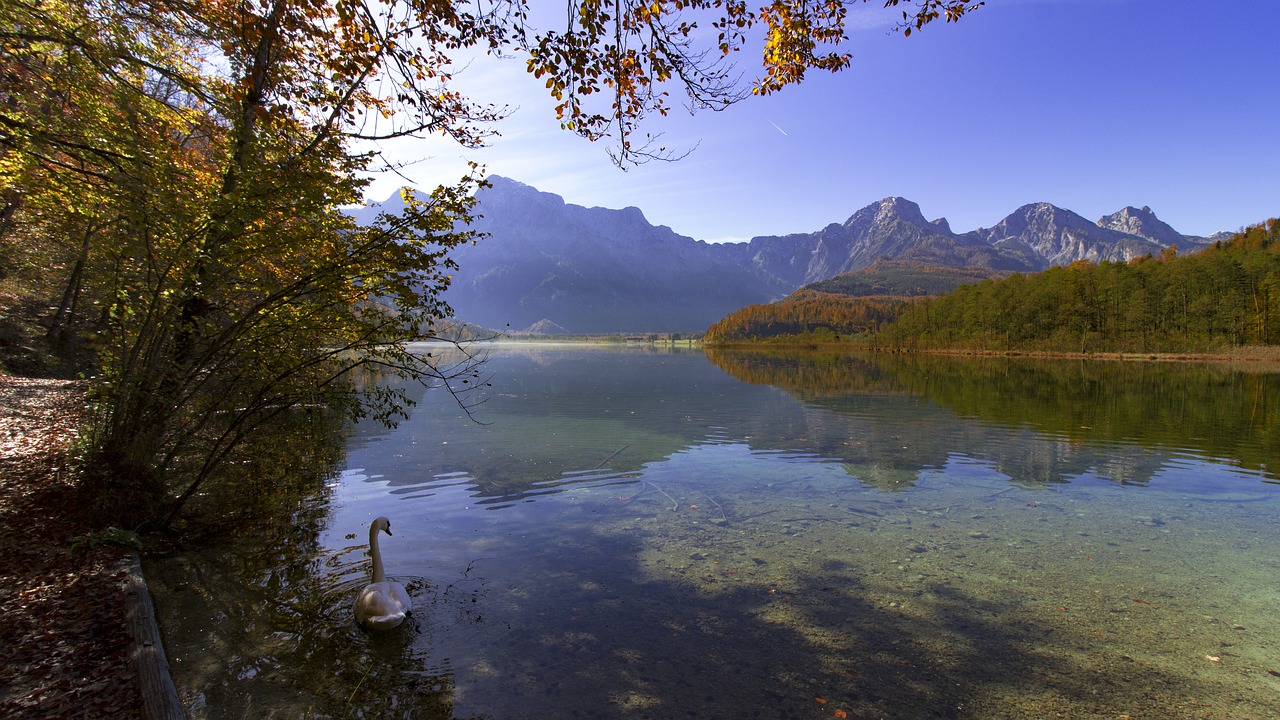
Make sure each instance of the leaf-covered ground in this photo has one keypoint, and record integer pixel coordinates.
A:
(63, 640)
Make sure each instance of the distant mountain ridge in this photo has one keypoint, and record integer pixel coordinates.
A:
(549, 263)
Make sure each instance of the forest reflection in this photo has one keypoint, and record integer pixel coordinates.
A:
(597, 494)
(1119, 419)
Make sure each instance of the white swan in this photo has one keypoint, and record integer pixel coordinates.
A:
(382, 604)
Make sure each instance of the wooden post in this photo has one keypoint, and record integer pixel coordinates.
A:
(159, 696)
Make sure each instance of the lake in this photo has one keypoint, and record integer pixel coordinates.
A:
(639, 533)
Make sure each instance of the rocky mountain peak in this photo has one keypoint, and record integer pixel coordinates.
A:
(509, 194)
(1143, 223)
(1061, 237)
(1036, 220)
(554, 267)
(880, 215)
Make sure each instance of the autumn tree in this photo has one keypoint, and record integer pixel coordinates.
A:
(174, 172)
(1220, 298)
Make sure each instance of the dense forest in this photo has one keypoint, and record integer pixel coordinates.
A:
(1225, 296)
(807, 315)
(843, 306)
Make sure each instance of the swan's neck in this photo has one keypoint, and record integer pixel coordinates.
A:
(378, 574)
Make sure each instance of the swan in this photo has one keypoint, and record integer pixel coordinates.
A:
(382, 604)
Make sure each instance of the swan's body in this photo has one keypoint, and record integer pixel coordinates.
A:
(382, 604)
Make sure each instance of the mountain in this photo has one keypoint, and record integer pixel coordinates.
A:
(1144, 223)
(1061, 237)
(594, 270)
(545, 327)
(902, 278)
(548, 263)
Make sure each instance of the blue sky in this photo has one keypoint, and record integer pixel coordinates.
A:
(1091, 105)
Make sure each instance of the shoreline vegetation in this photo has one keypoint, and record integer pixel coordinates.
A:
(1263, 357)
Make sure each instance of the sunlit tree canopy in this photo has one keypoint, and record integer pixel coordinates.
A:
(173, 173)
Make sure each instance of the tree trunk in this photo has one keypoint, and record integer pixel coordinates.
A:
(70, 296)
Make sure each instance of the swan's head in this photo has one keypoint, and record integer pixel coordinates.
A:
(382, 524)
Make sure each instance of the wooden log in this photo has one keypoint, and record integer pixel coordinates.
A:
(159, 696)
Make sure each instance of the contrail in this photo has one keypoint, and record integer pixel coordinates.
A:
(775, 125)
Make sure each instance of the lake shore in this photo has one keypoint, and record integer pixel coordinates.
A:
(64, 645)
(1260, 358)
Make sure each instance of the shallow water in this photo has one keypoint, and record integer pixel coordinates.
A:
(642, 534)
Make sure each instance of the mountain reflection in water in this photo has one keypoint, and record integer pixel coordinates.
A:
(636, 533)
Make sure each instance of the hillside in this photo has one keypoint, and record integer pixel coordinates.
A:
(807, 316)
(902, 278)
(845, 305)
(1224, 296)
(599, 270)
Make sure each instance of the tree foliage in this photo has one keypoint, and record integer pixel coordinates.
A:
(619, 61)
(188, 162)
(172, 175)
(1227, 295)
(807, 316)
(846, 306)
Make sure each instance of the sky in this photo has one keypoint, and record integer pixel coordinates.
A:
(1090, 105)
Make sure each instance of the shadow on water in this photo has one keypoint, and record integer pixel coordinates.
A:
(612, 641)
(264, 629)
(714, 638)
(610, 549)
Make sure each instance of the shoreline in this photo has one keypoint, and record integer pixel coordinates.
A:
(1252, 356)
(64, 646)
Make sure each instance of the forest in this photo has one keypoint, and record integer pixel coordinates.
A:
(807, 316)
(843, 306)
(1225, 296)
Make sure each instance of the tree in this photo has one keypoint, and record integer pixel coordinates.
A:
(1222, 297)
(181, 166)
(617, 60)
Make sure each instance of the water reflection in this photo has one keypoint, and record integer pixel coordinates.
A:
(261, 628)
(650, 535)
(1121, 420)
(591, 415)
